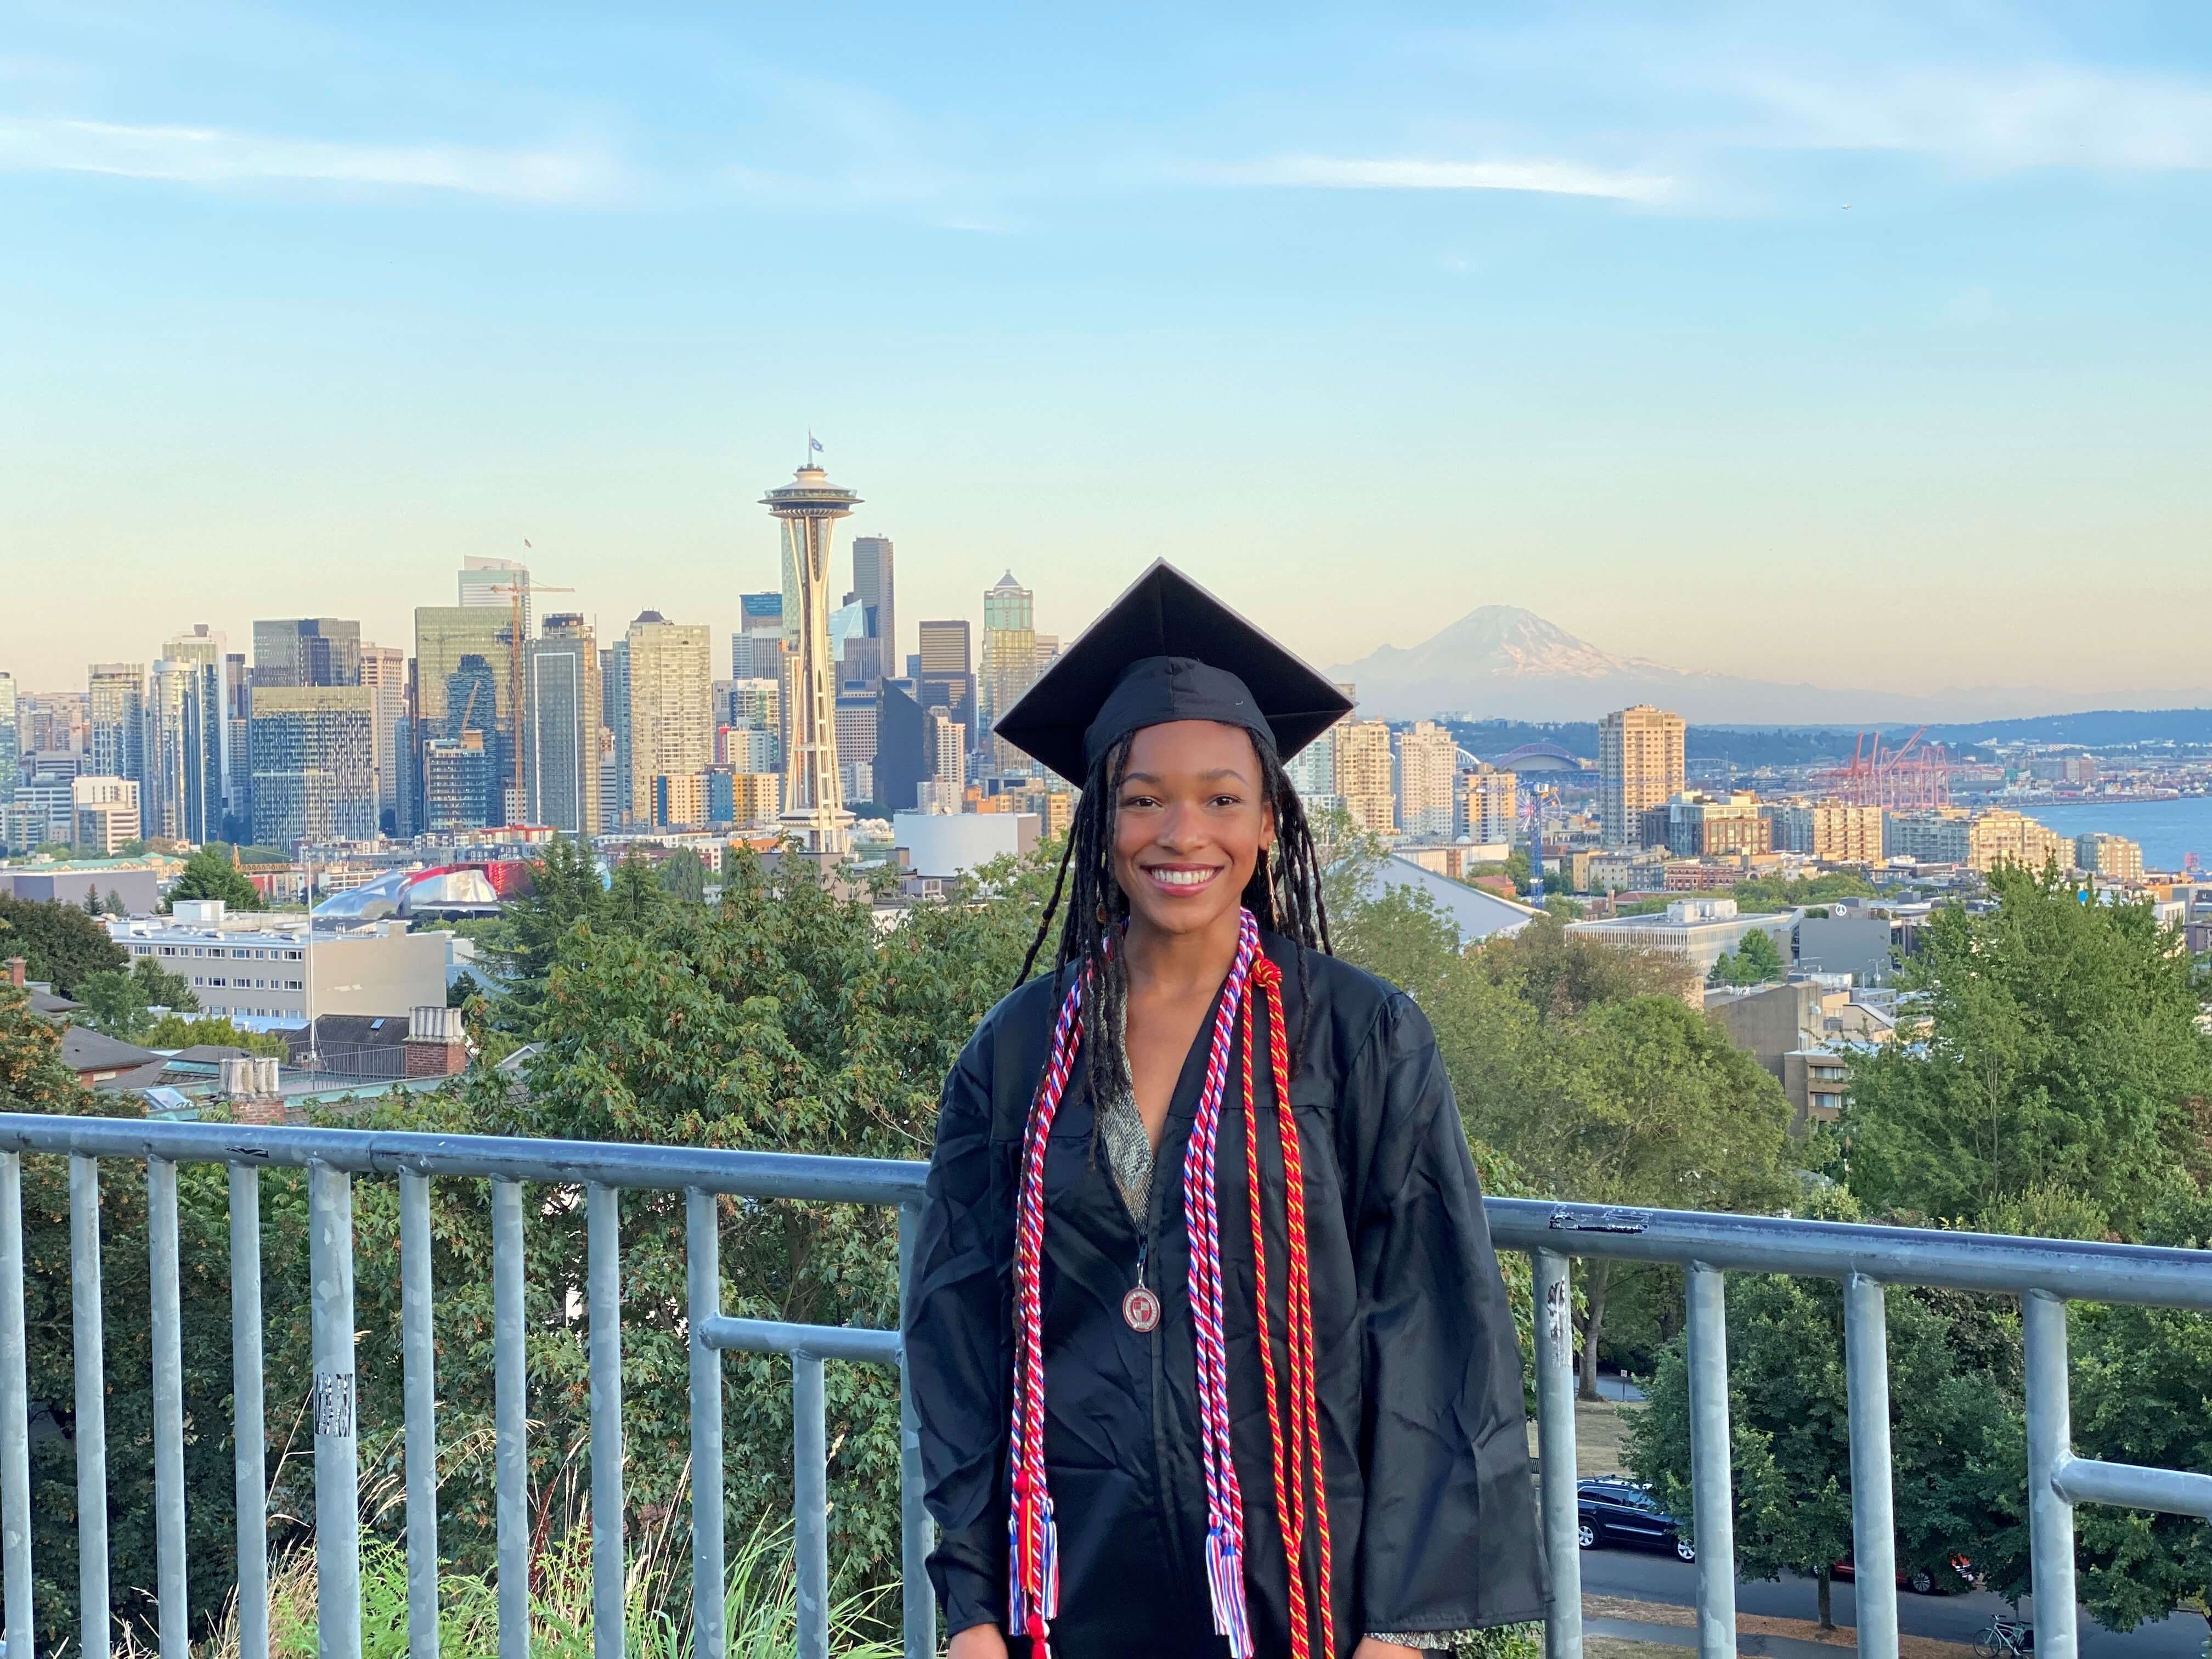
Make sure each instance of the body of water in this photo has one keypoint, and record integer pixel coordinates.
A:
(2166, 829)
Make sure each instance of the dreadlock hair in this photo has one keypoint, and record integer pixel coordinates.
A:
(1284, 895)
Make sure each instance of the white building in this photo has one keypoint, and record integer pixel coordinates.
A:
(940, 844)
(1698, 930)
(262, 971)
(1477, 912)
(104, 814)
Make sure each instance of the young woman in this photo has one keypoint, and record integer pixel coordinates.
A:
(1207, 1341)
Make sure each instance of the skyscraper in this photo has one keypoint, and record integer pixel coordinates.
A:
(615, 807)
(237, 754)
(1640, 765)
(671, 717)
(444, 635)
(168, 779)
(307, 651)
(873, 587)
(1428, 766)
(208, 762)
(312, 780)
(486, 581)
(118, 717)
(903, 758)
(757, 651)
(561, 718)
(384, 672)
(10, 747)
(945, 673)
(1009, 666)
(808, 508)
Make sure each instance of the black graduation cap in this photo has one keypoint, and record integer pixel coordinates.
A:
(1168, 650)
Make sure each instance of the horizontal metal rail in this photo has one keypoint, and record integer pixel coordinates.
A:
(2044, 1274)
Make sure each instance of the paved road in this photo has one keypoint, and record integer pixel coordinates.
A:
(1652, 1578)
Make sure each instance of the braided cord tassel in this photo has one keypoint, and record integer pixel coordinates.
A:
(1290, 1503)
(1305, 1409)
(1032, 1538)
(1225, 1533)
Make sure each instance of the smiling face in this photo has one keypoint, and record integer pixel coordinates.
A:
(1191, 819)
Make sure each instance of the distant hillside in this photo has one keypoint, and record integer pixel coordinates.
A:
(1500, 662)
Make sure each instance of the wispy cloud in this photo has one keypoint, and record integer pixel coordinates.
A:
(2033, 116)
(206, 156)
(1412, 173)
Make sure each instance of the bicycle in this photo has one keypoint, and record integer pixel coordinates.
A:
(2005, 1638)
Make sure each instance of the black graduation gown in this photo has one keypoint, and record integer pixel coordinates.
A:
(1432, 1508)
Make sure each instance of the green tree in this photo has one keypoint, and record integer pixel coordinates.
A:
(1516, 869)
(59, 942)
(2056, 1046)
(566, 889)
(1763, 893)
(115, 906)
(1760, 957)
(121, 1003)
(209, 874)
(181, 1031)
(91, 898)
(1789, 1413)
(684, 874)
(1560, 974)
(1726, 969)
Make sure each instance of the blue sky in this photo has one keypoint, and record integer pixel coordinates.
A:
(1868, 350)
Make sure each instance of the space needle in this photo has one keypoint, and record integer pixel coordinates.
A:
(809, 508)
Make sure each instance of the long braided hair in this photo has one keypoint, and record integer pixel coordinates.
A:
(1284, 895)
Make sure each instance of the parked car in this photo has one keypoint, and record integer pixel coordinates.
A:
(1925, 1581)
(1615, 1511)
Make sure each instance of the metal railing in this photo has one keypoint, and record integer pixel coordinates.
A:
(2044, 1274)
(332, 1157)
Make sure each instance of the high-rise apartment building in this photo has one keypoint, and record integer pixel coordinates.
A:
(171, 801)
(1489, 804)
(1363, 775)
(2115, 858)
(104, 815)
(808, 509)
(1428, 771)
(671, 722)
(874, 588)
(307, 651)
(238, 754)
(615, 807)
(313, 778)
(1009, 668)
(1640, 766)
(2003, 837)
(562, 708)
(1312, 770)
(384, 672)
(946, 743)
(117, 698)
(1843, 833)
(458, 782)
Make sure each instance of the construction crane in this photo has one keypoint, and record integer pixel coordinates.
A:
(516, 594)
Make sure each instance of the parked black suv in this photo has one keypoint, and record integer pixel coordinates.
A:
(1614, 1511)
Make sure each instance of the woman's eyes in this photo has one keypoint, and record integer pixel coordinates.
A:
(1129, 802)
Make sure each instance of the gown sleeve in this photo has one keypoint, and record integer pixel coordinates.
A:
(956, 1361)
(1450, 1541)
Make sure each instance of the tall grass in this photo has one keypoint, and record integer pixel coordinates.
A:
(760, 1595)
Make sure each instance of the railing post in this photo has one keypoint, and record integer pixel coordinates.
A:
(1873, 1521)
(1554, 1339)
(87, 1318)
(603, 1205)
(337, 1463)
(2050, 1436)
(510, 1420)
(15, 1414)
(248, 1425)
(920, 1599)
(1712, 1485)
(810, 1504)
(704, 1286)
(168, 1331)
(419, 1368)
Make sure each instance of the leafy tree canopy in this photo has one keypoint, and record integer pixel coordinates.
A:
(58, 942)
(209, 874)
(2058, 1047)
(1763, 893)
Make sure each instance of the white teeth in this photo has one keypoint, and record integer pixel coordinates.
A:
(1183, 878)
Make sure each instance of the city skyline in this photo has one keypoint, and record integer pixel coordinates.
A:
(1905, 306)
